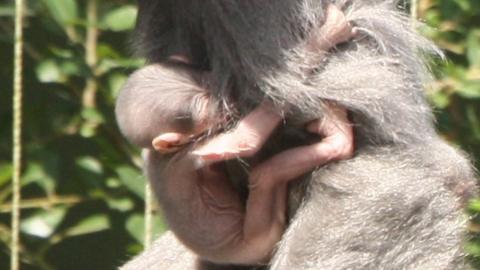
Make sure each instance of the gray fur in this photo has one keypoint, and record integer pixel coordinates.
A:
(398, 203)
(165, 253)
(168, 253)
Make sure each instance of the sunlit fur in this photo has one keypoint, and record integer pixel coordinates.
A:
(398, 203)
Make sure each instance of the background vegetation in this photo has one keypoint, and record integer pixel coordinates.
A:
(82, 189)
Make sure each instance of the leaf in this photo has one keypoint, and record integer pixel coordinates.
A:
(439, 99)
(70, 68)
(105, 50)
(474, 205)
(120, 19)
(61, 52)
(36, 173)
(470, 90)
(6, 172)
(473, 48)
(92, 115)
(7, 11)
(93, 118)
(44, 222)
(115, 82)
(136, 226)
(48, 71)
(90, 164)
(473, 120)
(472, 248)
(63, 11)
(463, 4)
(112, 182)
(454, 71)
(88, 130)
(122, 204)
(132, 179)
(107, 64)
(91, 224)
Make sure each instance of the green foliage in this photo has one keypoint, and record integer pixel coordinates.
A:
(120, 19)
(82, 186)
(456, 93)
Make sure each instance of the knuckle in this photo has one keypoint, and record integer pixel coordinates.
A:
(343, 147)
(260, 178)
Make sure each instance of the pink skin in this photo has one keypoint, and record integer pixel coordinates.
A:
(263, 221)
(245, 140)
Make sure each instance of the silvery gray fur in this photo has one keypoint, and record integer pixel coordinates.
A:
(398, 203)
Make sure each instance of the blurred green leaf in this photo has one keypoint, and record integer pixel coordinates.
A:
(44, 222)
(121, 204)
(474, 205)
(93, 118)
(440, 100)
(88, 130)
(36, 173)
(470, 90)
(70, 68)
(453, 71)
(7, 10)
(115, 83)
(132, 179)
(136, 226)
(107, 51)
(463, 4)
(113, 182)
(88, 225)
(59, 52)
(63, 11)
(473, 249)
(474, 120)
(6, 170)
(108, 64)
(49, 72)
(473, 48)
(90, 164)
(92, 115)
(120, 19)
